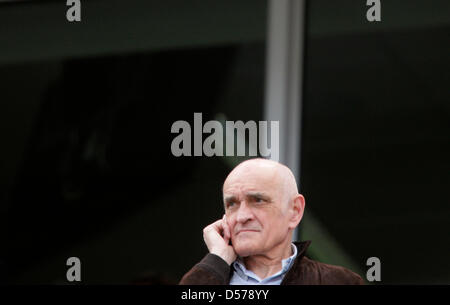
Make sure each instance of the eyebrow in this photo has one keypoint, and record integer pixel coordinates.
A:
(229, 199)
(258, 195)
(251, 195)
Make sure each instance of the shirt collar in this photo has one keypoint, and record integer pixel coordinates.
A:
(286, 263)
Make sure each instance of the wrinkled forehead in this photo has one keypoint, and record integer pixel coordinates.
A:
(260, 178)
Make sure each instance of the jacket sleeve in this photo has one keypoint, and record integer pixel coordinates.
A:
(211, 270)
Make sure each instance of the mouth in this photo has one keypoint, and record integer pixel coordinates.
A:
(243, 231)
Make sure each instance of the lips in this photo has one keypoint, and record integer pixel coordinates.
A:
(246, 230)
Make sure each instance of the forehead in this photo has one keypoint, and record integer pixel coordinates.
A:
(263, 179)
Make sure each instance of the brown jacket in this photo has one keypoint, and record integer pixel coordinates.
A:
(213, 270)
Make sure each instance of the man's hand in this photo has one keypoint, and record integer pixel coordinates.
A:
(218, 244)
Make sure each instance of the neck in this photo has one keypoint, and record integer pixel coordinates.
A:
(265, 265)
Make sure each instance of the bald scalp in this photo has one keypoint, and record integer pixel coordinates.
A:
(275, 171)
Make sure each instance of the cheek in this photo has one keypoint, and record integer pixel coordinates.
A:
(271, 221)
(266, 217)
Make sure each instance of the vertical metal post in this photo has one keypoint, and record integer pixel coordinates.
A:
(283, 103)
(284, 77)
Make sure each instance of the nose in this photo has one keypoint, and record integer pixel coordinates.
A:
(244, 213)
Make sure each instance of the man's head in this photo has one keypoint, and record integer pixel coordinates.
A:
(262, 206)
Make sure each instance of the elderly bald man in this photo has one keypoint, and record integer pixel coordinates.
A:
(252, 243)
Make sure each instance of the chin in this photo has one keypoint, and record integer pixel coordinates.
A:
(243, 249)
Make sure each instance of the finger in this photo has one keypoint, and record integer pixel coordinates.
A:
(226, 228)
(215, 228)
(217, 225)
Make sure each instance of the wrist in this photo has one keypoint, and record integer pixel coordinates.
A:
(229, 259)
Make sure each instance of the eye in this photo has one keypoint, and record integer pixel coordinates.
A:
(258, 199)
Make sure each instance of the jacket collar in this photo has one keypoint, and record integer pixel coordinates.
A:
(302, 246)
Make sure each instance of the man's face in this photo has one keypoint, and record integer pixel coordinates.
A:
(255, 210)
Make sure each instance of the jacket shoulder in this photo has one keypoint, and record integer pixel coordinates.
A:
(318, 273)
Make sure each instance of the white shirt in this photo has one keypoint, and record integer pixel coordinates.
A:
(242, 276)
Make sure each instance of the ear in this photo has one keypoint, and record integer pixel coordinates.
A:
(298, 207)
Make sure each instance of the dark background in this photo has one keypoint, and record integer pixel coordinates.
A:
(86, 109)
